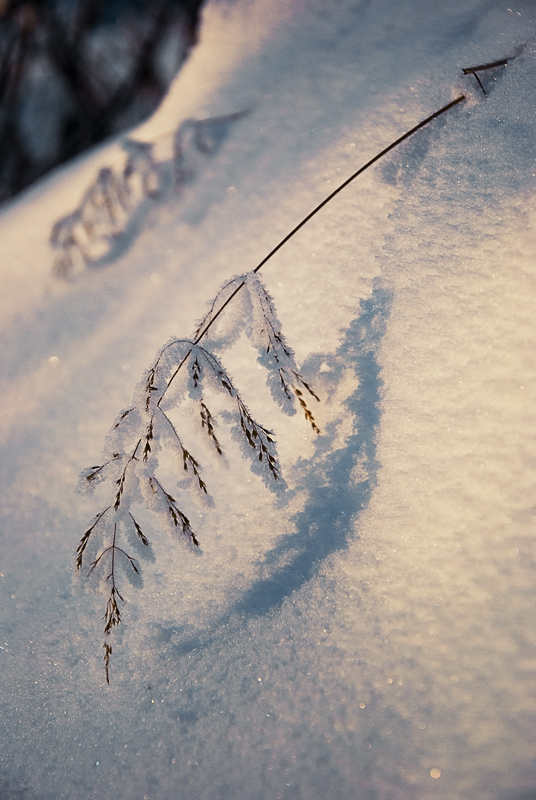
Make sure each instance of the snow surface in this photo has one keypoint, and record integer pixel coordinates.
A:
(370, 633)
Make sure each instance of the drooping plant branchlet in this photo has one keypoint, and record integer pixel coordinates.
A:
(207, 421)
(178, 518)
(106, 561)
(85, 539)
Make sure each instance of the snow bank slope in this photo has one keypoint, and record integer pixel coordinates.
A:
(369, 634)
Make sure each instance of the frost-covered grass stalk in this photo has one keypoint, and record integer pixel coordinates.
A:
(185, 370)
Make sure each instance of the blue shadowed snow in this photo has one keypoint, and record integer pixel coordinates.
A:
(335, 497)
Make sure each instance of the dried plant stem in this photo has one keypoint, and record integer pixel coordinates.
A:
(312, 213)
(133, 473)
(355, 175)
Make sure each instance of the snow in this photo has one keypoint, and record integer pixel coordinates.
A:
(369, 633)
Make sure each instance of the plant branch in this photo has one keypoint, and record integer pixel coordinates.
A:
(356, 174)
(309, 216)
(286, 384)
(326, 200)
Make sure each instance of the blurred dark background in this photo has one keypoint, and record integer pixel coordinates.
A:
(73, 72)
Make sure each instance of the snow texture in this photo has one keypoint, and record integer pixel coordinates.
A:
(369, 632)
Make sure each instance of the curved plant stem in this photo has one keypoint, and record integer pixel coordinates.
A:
(311, 214)
(343, 186)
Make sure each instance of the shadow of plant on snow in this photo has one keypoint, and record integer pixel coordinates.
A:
(339, 485)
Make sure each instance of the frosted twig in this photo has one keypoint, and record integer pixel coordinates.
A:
(187, 367)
